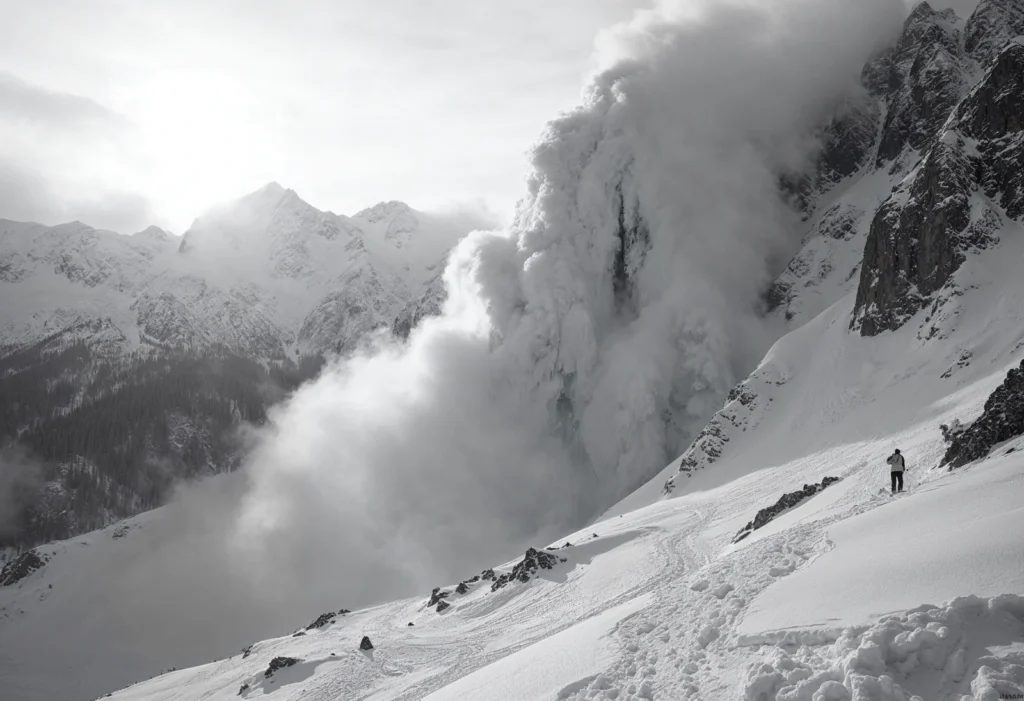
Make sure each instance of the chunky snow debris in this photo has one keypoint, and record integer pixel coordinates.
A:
(929, 650)
(786, 501)
(1002, 419)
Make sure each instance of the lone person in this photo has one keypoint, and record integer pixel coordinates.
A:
(896, 467)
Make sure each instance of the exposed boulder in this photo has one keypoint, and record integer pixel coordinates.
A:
(365, 643)
(322, 620)
(786, 501)
(1001, 420)
(526, 568)
(21, 567)
(441, 606)
(280, 663)
(436, 595)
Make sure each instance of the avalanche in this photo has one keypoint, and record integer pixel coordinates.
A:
(624, 302)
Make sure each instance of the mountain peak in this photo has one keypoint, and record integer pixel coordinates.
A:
(385, 210)
(992, 24)
(153, 232)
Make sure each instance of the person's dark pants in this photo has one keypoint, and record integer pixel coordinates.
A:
(897, 479)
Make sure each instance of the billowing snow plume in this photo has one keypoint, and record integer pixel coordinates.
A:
(585, 346)
(579, 352)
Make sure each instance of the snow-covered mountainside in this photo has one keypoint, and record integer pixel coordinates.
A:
(769, 561)
(205, 331)
(268, 276)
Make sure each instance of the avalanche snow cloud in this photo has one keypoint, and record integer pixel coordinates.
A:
(582, 348)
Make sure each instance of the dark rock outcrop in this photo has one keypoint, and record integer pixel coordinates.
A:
(848, 141)
(922, 234)
(436, 595)
(430, 303)
(280, 663)
(525, 569)
(993, 23)
(993, 115)
(1001, 420)
(20, 567)
(487, 574)
(322, 620)
(923, 78)
(365, 643)
(786, 501)
(441, 606)
(914, 244)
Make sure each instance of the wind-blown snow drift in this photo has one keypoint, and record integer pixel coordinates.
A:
(582, 348)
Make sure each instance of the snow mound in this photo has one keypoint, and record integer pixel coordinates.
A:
(971, 649)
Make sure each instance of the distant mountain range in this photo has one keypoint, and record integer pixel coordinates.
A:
(202, 331)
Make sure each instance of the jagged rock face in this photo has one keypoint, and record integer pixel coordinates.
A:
(848, 141)
(1001, 420)
(994, 115)
(993, 23)
(921, 235)
(913, 245)
(925, 81)
(430, 303)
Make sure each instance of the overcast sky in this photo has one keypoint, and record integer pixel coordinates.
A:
(123, 113)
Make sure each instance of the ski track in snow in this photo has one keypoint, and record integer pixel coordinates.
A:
(655, 609)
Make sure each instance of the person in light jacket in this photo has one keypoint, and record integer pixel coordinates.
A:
(896, 467)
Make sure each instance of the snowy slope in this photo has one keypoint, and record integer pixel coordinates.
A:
(852, 594)
(661, 605)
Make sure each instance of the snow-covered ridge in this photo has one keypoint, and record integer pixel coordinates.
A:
(266, 276)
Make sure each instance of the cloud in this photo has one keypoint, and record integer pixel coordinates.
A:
(24, 102)
(20, 477)
(30, 195)
(549, 388)
(55, 151)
